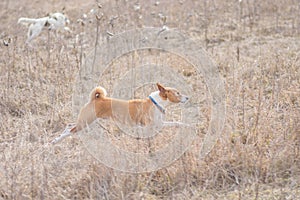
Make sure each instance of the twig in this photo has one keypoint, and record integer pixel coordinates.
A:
(48, 49)
(97, 39)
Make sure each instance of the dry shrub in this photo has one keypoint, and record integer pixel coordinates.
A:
(256, 48)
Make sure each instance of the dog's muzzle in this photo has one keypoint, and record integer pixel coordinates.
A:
(184, 99)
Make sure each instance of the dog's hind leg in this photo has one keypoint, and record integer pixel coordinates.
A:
(65, 133)
(33, 31)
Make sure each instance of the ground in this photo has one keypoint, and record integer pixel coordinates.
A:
(255, 46)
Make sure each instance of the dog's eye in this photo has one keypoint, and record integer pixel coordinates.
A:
(97, 95)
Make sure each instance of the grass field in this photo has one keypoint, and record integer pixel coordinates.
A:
(256, 46)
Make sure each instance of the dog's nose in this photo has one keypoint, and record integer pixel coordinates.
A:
(184, 99)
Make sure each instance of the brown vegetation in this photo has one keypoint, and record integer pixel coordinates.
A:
(257, 49)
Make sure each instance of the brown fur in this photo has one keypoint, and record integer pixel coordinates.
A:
(133, 112)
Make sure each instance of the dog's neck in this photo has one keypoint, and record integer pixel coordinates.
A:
(158, 101)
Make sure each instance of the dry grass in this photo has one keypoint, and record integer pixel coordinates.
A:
(256, 46)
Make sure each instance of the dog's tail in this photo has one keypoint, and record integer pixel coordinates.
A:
(24, 20)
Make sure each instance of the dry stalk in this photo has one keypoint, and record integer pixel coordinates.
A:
(243, 107)
(206, 24)
(98, 19)
(48, 49)
(258, 174)
(8, 77)
(32, 182)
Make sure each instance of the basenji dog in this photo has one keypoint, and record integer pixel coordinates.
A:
(140, 112)
(54, 21)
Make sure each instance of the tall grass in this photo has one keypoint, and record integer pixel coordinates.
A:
(254, 43)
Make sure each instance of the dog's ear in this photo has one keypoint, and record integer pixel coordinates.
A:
(160, 87)
(162, 91)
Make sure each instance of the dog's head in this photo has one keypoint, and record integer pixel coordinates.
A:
(60, 19)
(98, 93)
(171, 94)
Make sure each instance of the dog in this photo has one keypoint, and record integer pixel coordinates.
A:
(55, 21)
(140, 112)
